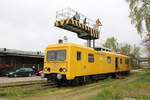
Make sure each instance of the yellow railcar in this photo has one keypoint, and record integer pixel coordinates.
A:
(64, 62)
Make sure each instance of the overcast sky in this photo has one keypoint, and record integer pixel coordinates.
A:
(29, 24)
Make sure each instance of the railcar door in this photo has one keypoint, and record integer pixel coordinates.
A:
(116, 63)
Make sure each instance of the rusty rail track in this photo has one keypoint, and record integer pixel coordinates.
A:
(27, 84)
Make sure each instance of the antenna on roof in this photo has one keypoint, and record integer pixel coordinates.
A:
(65, 39)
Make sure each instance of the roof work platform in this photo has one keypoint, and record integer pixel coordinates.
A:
(73, 21)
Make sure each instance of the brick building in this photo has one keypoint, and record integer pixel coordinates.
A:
(13, 59)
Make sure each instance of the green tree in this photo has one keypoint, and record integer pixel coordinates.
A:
(135, 52)
(131, 51)
(147, 45)
(126, 49)
(140, 14)
(111, 43)
(149, 55)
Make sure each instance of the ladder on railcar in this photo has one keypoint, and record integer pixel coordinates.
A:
(73, 21)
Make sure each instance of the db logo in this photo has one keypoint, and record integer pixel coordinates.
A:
(54, 66)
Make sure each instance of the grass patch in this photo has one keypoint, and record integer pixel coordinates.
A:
(35, 90)
(136, 86)
(39, 90)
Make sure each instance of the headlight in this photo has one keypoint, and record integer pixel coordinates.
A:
(45, 69)
(64, 70)
(59, 76)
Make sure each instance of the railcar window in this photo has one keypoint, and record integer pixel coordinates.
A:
(120, 60)
(61, 55)
(90, 57)
(126, 61)
(56, 55)
(78, 56)
(109, 60)
(51, 55)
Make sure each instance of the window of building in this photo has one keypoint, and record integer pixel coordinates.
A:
(78, 56)
(109, 60)
(0, 60)
(120, 60)
(90, 57)
(5, 60)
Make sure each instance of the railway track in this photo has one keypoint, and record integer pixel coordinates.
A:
(44, 83)
(27, 84)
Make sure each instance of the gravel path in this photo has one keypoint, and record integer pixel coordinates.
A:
(4, 99)
(18, 79)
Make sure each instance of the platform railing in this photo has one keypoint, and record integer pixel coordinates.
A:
(69, 13)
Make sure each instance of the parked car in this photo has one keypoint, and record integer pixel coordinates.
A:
(22, 72)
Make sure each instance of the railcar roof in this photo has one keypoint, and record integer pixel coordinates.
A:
(114, 53)
(80, 46)
(68, 44)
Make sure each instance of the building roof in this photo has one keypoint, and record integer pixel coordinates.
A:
(14, 52)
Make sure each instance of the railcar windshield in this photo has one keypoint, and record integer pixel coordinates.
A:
(56, 55)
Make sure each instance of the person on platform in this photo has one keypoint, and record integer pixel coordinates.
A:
(85, 21)
(76, 17)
